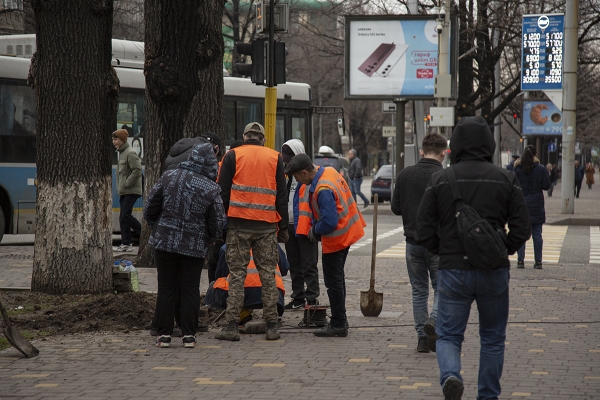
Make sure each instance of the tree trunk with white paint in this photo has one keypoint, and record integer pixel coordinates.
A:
(77, 93)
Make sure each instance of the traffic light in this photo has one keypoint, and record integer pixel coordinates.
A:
(280, 71)
(515, 118)
(256, 69)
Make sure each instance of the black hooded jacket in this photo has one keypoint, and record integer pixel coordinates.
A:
(493, 192)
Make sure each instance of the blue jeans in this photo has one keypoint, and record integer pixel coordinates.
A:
(538, 243)
(457, 290)
(335, 282)
(355, 189)
(422, 265)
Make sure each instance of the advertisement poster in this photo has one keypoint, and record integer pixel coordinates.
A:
(541, 118)
(391, 57)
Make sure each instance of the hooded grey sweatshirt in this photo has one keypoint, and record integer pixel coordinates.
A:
(297, 147)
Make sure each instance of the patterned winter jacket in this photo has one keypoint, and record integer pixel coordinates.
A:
(184, 208)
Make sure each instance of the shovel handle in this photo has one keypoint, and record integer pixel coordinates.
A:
(374, 244)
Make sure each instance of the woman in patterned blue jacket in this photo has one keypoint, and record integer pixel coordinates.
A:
(185, 211)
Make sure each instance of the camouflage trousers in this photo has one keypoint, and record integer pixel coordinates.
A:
(266, 257)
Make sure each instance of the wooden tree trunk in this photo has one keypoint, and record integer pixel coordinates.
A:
(184, 82)
(76, 102)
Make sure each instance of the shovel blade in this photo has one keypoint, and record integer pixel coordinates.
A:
(371, 303)
(17, 341)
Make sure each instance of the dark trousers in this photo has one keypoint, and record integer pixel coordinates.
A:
(212, 259)
(181, 273)
(303, 257)
(335, 281)
(577, 188)
(126, 220)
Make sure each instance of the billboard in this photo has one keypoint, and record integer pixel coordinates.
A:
(542, 52)
(541, 118)
(389, 57)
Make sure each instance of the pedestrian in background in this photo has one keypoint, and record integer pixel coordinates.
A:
(129, 187)
(185, 211)
(302, 254)
(495, 194)
(553, 178)
(254, 193)
(589, 175)
(534, 178)
(356, 176)
(579, 173)
(337, 224)
(511, 165)
(422, 265)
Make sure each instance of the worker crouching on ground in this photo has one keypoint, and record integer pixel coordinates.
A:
(218, 291)
(337, 224)
(255, 198)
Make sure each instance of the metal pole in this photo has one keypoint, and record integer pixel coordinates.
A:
(400, 116)
(418, 106)
(271, 90)
(569, 107)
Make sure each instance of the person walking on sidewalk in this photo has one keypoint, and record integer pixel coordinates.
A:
(579, 173)
(422, 265)
(589, 175)
(338, 224)
(185, 211)
(129, 187)
(553, 178)
(356, 176)
(534, 178)
(302, 254)
(255, 198)
(496, 195)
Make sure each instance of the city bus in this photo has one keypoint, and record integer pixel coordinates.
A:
(243, 103)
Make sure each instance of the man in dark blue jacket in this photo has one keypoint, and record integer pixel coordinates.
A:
(496, 195)
(579, 174)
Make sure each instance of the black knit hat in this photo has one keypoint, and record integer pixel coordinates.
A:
(298, 163)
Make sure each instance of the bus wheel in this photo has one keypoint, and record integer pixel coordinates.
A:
(2, 224)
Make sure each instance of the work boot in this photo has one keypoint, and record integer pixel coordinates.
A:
(432, 337)
(453, 389)
(330, 331)
(272, 333)
(423, 345)
(230, 332)
(537, 265)
(520, 264)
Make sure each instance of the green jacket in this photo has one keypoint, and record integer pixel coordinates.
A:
(129, 171)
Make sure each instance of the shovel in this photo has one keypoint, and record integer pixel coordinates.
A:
(371, 302)
(15, 338)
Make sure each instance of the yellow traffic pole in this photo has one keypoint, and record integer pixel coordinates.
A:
(270, 116)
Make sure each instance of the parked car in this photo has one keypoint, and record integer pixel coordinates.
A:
(326, 157)
(382, 184)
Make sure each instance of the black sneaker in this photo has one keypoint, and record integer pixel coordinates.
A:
(431, 335)
(295, 305)
(520, 264)
(537, 265)
(330, 331)
(201, 327)
(163, 341)
(189, 341)
(423, 345)
(453, 389)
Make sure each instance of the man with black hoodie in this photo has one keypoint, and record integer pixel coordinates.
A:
(422, 265)
(496, 195)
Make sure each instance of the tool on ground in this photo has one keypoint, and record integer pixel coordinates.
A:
(314, 315)
(371, 302)
(15, 338)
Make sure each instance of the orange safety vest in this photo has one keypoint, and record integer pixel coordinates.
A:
(252, 278)
(305, 214)
(254, 186)
(350, 221)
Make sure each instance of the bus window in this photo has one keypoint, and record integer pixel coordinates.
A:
(299, 123)
(279, 131)
(130, 116)
(230, 131)
(17, 123)
(248, 112)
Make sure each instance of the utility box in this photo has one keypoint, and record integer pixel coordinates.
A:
(441, 116)
(442, 86)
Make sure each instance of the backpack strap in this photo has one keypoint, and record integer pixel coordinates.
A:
(453, 183)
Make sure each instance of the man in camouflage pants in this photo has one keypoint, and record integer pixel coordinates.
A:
(254, 193)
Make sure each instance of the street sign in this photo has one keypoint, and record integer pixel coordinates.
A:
(388, 107)
(388, 131)
(551, 147)
(542, 52)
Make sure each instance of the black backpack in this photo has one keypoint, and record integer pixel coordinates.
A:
(485, 246)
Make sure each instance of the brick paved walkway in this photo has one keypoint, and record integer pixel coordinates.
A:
(553, 351)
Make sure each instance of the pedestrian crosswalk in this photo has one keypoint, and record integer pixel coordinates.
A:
(554, 237)
(396, 251)
(382, 236)
(594, 245)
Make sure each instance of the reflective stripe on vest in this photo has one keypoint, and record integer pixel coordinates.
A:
(305, 215)
(254, 185)
(252, 278)
(350, 221)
